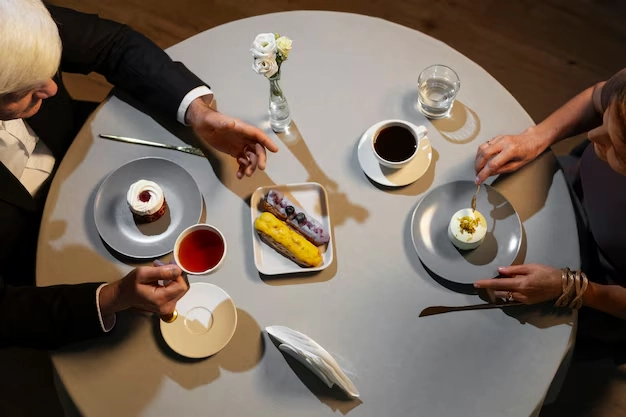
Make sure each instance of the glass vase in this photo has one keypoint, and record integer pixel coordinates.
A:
(280, 117)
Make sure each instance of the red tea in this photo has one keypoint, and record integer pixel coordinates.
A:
(201, 250)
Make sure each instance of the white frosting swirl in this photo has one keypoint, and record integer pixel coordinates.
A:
(145, 208)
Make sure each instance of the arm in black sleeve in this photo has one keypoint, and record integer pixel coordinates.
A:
(127, 59)
(48, 317)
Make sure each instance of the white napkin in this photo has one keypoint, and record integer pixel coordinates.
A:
(313, 356)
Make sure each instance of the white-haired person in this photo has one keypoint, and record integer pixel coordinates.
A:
(38, 121)
(596, 172)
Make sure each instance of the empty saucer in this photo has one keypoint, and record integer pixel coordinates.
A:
(207, 319)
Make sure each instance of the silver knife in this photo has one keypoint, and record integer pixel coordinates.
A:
(185, 149)
(430, 311)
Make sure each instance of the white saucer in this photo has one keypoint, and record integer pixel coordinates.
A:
(393, 177)
(207, 319)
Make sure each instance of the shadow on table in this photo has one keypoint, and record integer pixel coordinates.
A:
(140, 366)
(460, 127)
(333, 397)
(244, 351)
(80, 148)
(527, 189)
(341, 207)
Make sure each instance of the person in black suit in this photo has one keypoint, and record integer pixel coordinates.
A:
(38, 121)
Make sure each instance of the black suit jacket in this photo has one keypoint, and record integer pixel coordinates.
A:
(52, 316)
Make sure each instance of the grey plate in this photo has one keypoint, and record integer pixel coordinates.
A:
(429, 232)
(115, 222)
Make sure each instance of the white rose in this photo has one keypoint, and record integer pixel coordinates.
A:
(284, 46)
(264, 46)
(265, 66)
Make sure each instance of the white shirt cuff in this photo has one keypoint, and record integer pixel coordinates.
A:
(191, 96)
(105, 328)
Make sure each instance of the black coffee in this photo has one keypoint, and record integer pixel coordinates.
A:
(395, 143)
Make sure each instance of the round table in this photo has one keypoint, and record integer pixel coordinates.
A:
(345, 73)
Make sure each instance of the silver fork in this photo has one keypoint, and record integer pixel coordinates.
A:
(185, 149)
(474, 198)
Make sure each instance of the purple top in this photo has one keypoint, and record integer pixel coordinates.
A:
(604, 200)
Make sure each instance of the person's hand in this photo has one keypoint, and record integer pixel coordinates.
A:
(504, 154)
(529, 284)
(246, 143)
(141, 289)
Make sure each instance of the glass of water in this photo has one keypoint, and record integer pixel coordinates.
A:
(438, 87)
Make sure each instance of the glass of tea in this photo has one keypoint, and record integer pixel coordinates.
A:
(395, 143)
(200, 249)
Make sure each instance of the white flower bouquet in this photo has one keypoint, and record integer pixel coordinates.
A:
(269, 51)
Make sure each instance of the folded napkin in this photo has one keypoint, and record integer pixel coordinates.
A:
(313, 356)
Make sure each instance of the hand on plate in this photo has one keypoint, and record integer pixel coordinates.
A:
(529, 284)
(141, 289)
(504, 154)
(246, 143)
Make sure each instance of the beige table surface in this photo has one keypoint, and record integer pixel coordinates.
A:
(345, 73)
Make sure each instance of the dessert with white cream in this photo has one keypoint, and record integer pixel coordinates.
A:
(467, 229)
(146, 200)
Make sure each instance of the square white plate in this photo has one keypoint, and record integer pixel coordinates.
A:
(313, 199)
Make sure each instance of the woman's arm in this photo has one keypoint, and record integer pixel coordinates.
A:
(508, 153)
(578, 115)
(610, 299)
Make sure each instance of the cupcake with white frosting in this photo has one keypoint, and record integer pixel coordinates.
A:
(146, 201)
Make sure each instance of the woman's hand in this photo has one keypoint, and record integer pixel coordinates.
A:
(508, 153)
(529, 284)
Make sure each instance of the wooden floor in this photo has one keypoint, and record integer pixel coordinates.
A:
(542, 51)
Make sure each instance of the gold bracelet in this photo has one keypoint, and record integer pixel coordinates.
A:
(573, 287)
(568, 288)
(560, 302)
(581, 287)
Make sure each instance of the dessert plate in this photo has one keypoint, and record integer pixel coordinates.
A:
(429, 232)
(311, 197)
(115, 222)
(207, 320)
(393, 177)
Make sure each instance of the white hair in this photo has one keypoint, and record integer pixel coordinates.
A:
(30, 45)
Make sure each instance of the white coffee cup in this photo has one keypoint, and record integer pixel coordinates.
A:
(418, 133)
(188, 231)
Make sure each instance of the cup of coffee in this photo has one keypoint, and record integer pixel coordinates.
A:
(200, 249)
(395, 143)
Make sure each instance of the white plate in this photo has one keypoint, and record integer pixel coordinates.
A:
(207, 319)
(388, 176)
(313, 199)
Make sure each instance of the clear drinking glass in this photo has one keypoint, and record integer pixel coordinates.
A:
(438, 87)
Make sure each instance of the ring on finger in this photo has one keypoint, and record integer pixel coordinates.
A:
(509, 296)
